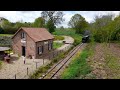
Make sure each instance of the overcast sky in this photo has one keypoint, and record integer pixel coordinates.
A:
(30, 16)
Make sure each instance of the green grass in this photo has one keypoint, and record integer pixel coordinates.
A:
(9, 51)
(58, 37)
(41, 70)
(112, 64)
(79, 68)
(57, 45)
(0, 64)
(6, 34)
(70, 32)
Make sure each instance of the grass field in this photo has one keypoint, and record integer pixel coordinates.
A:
(59, 37)
(69, 32)
(6, 34)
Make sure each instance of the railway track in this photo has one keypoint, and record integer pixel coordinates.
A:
(56, 68)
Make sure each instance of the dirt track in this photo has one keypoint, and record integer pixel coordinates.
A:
(105, 61)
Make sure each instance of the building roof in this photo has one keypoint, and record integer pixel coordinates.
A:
(4, 48)
(37, 34)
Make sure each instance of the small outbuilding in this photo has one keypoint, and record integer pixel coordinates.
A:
(2, 52)
(30, 42)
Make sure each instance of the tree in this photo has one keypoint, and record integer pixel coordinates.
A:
(50, 26)
(39, 22)
(18, 24)
(115, 27)
(55, 16)
(52, 18)
(1, 30)
(78, 23)
(61, 28)
(7, 27)
(102, 28)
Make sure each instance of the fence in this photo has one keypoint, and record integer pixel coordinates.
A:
(30, 69)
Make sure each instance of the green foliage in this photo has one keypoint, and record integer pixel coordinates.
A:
(1, 30)
(61, 28)
(69, 32)
(79, 67)
(57, 37)
(57, 45)
(10, 28)
(39, 22)
(38, 73)
(104, 29)
(50, 26)
(78, 23)
(0, 64)
(8, 35)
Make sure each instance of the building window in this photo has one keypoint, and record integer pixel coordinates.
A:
(23, 35)
(46, 42)
(50, 46)
(40, 50)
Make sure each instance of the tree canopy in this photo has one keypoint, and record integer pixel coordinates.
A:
(52, 18)
(78, 23)
(39, 22)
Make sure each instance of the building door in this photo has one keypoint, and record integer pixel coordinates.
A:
(23, 51)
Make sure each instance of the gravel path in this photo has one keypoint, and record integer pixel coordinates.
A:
(68, 40)
(18, 68)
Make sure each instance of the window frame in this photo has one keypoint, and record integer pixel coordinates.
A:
(40, 50)
(50, 45)
(23, 35)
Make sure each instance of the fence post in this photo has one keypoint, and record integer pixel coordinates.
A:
(36, 65)
(15, 76)
(43, 61)
(27, 70)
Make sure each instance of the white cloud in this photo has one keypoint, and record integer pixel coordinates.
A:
(30, 16)
(26, 16)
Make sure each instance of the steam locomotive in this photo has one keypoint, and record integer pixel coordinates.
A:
(86, 36)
